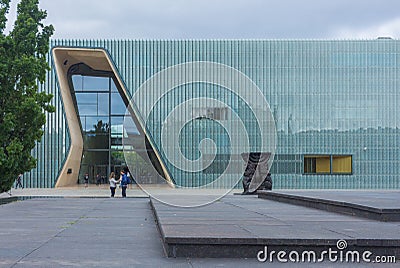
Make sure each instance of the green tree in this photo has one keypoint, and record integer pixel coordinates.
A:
(22, 107)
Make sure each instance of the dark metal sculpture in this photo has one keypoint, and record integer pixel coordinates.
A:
(256, 172)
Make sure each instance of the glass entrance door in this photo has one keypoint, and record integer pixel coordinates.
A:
(93, 171)
(101, 172)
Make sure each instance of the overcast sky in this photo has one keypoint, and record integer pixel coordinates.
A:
(199, 19)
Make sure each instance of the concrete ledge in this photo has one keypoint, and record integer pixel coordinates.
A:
(199, 233)
(343, 207)
(6, 200)
(251, 251)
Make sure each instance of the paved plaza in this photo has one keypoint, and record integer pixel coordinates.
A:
(86, 232)
(97, 231)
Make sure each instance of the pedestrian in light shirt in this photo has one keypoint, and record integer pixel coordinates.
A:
(113, 183)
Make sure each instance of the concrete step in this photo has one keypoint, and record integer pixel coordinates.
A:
(376, 205)
(246, 226)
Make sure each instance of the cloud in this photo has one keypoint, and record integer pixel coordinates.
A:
(389, 28)
(198, 19)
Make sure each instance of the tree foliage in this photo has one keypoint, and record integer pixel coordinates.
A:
(23, 64)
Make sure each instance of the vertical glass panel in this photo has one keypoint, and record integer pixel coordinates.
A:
(116, 132)
(77, 81)
(113, 86)
(93, 163)
(117, 104)
(309, 165)
(117, 125)
(96, 141)
(83, 122)
(102, 104)
(131, 126)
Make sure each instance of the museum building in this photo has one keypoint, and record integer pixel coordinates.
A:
(335, 106)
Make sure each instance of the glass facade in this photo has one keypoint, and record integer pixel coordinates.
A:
(333, 98)
(100, 109)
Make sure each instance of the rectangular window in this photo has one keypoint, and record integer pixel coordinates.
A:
(309, 165)
(317, 164)
(328, 164)
(342, 164)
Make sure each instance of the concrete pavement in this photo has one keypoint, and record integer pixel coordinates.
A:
(97, 231)
(88, 232)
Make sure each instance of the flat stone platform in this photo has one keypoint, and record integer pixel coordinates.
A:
(85, 232)
(241, 226)
(378, 205)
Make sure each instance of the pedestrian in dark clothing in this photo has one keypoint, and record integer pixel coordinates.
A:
(98, 179)
(86, 179)
(124, 183)
(130, 176)
(19, 182)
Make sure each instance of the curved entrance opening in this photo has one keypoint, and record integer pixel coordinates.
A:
(95, 102)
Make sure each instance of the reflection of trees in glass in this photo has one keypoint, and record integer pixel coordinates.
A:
(142, 170)
(95, 158)
(117, 158)
(100, 127)
(98, 138)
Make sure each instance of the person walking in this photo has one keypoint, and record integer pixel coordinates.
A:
(128, 174)
(124, 183)
(86, 179)
(98, 179)
(19, 182)
(113, 183)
